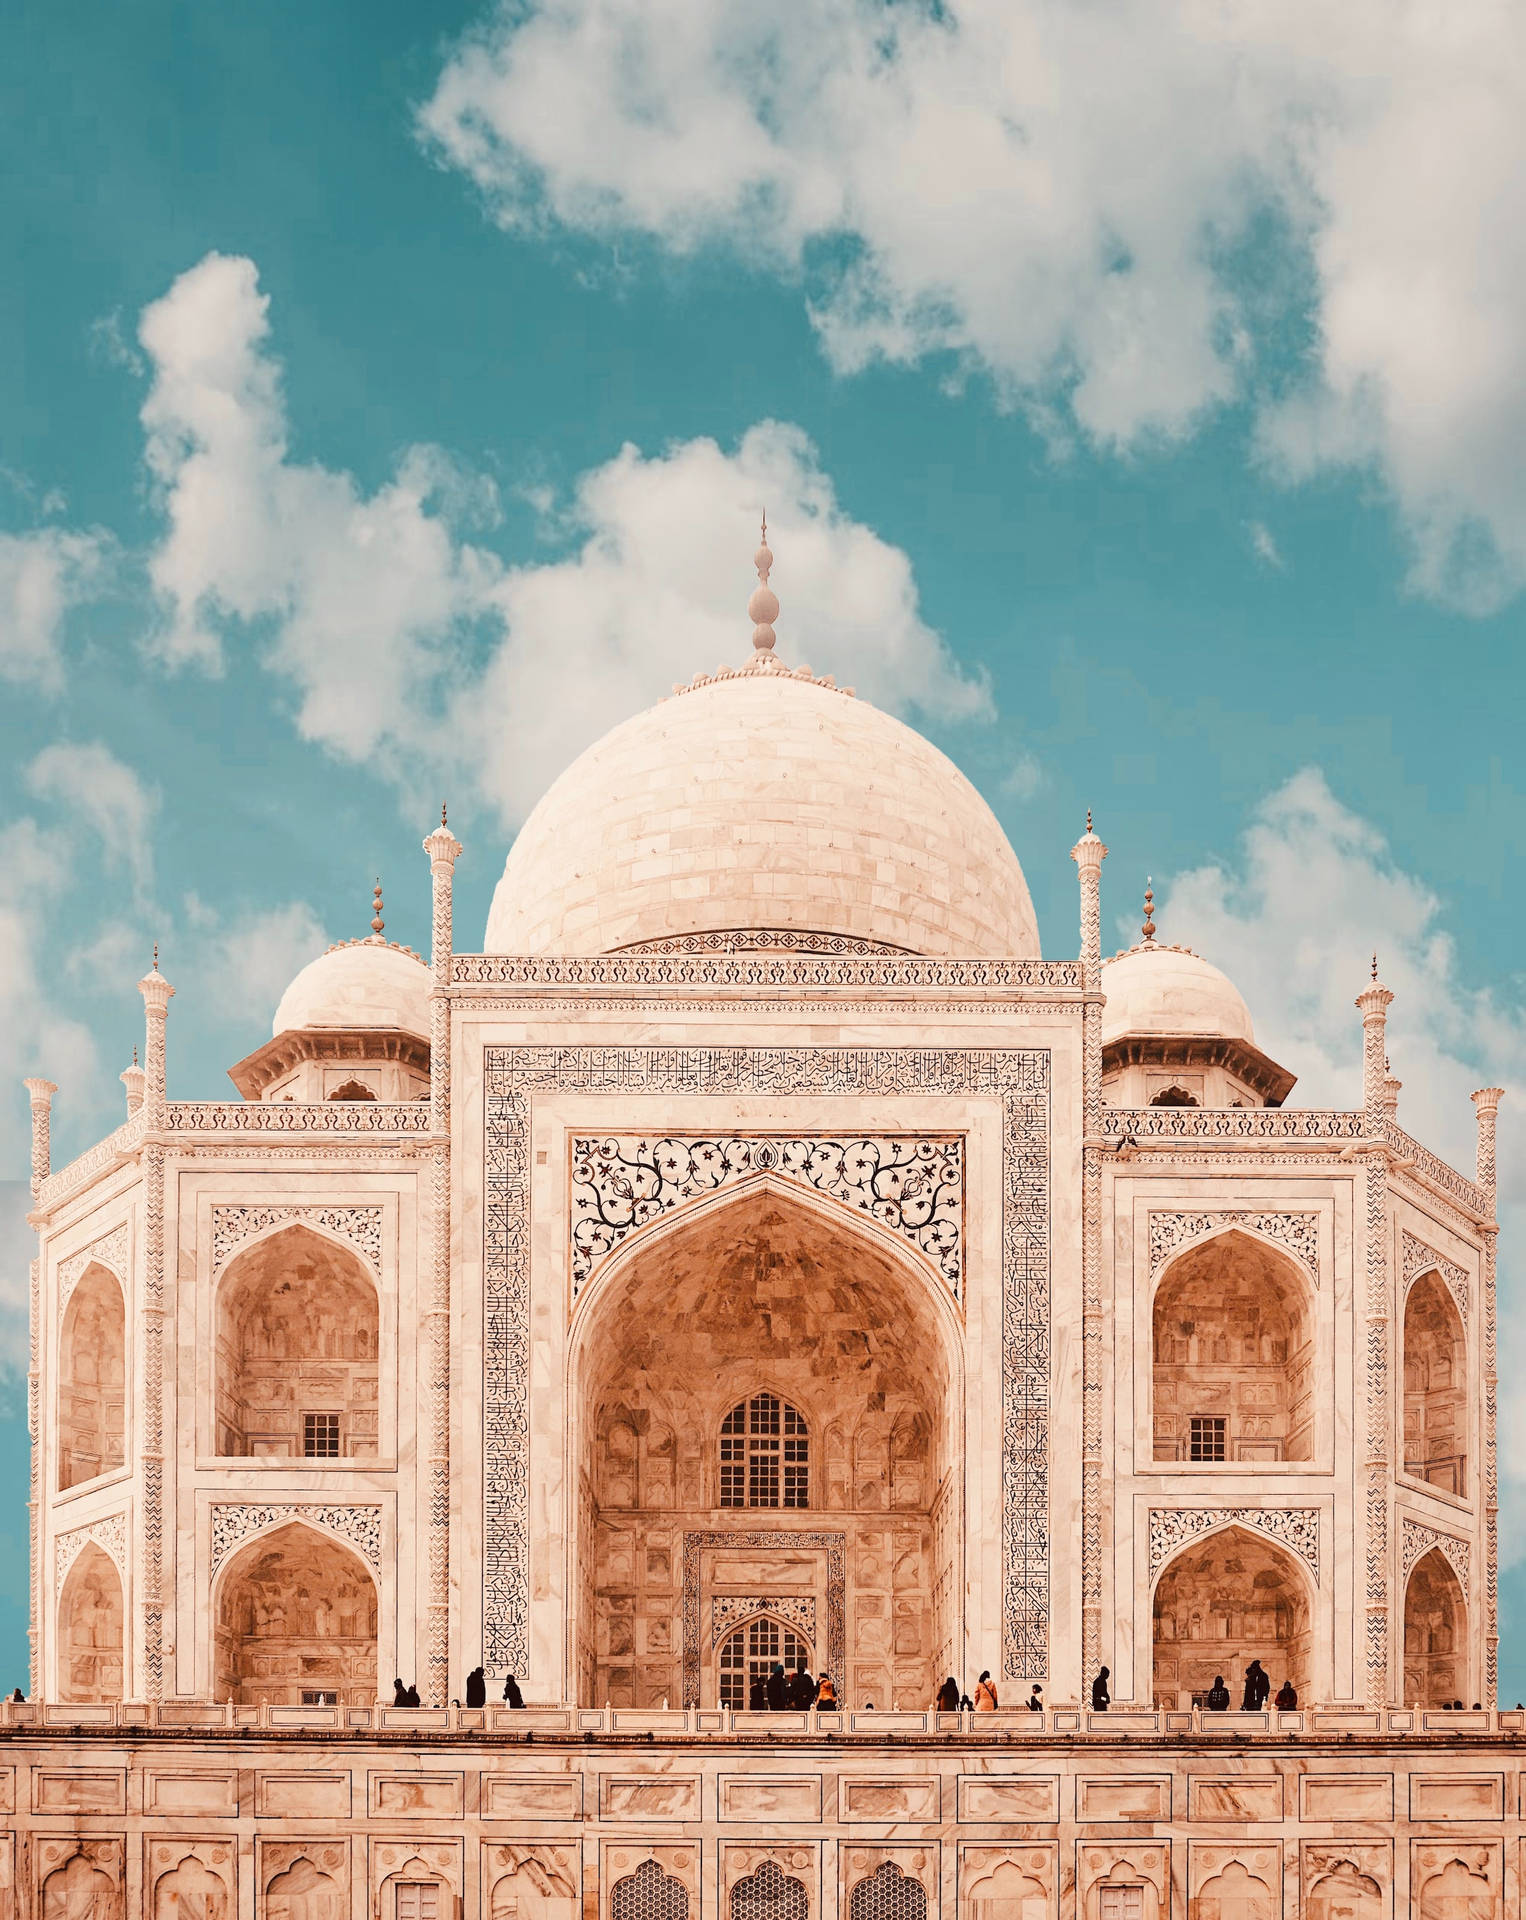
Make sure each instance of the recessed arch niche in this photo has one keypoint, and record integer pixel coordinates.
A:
(1230, 1597)
(765, 1289)
(1232, 1354)
(298, 1339)
(92, 1379)
(295, 1613)
(1435, 1633)
(1435, 1387)
(91, 1622)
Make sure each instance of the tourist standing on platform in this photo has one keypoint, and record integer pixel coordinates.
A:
(1101, 1698)
(985, 1695)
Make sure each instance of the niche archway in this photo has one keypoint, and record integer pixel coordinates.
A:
(80, 1890)
(297, 1351)
(1435, 1387)
(1008, 1893)
(1233, 1354)
(91, 1629)
(1435, 1633)
(765, 1290)
(295, 1617)
(1345, 1893)
(92, 1379)
(1230, 1598)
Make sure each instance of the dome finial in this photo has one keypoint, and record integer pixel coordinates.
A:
(1374, 966)
(377, 923)
(763, 607)
(1148, 929)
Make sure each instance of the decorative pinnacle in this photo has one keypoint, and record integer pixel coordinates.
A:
(377, 923)
(443, 821)
(763, 607)
(1374, 966)
(156, 957)
(1148, 929)
(1088, 819)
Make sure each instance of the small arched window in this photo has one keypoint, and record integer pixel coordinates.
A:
(749, 1656)
(352, 1090)
(1173, 1097)
(765, 1455)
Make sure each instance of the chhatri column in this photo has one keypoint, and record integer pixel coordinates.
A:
(1486, 1102)
(157, 994)
(1088, 854)
(40, 1093)
(1374, 1003)
(444, 849)
(133, 1079)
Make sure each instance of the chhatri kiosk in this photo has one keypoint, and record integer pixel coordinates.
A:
(758, 1252)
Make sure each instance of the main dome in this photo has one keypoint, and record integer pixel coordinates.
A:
(763, 801)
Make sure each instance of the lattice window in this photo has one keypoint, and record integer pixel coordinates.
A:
(765, 1455)
(1206, 1441)
(648, 1894)
(320, 1436)
(888, 1895)
(319, 1697)
(751, 1653)
(769, 1894)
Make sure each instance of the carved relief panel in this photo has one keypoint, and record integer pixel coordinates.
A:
(190, 1880)
(1458, 1880)
(1009, 1883)
(770, 1882)
(1347, 1882)
(888, 1883)
(303, 1879)
(1234, 1882)
(1116, 1880)
(79, 1879)
(415, 1879)
(638, 1882)
(531, 1883)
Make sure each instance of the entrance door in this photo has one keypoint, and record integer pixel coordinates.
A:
(418, 1900)
(751, 1653)
(1122, 1903)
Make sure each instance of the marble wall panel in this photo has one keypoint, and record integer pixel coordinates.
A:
(1124, 1797)
(190, 1879)
(417, 1861)
(75, 1876)
(649, 1796)
(883, 1797)
(1456, 1879)
(1360, 1796)
(78, 1791)
(532, 1796)
(1015, 1797)
(201, 1793)
(1234, 1880)
(784, 1796)
(317, 1795)
(426, 1795)
(1234, 1796)
(1010, 1882)
(1457, 1796)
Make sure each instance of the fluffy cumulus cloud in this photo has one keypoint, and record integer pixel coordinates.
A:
(1127, 214)
(250, 962)
(412, 645)
(43, 575)
(87, 783)
(1293, 920)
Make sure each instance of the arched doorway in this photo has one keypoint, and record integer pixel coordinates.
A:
(296, 1621)
(1435, 1633)
(1229, 1599)
(90, 1629)
(760, 1310)
(92, 1376)
(750, 1655)
(297, 1347)
(1435, 1387)
(1233, 1354)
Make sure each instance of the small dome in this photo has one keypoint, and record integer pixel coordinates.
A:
(361, 983)
(1161, 990)
(763, 800)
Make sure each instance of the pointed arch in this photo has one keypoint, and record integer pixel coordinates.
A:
(298, 1348)
(1435, 1633)
(1232, 1352)
(1226, 1598)
(92, 1378)
(295, 1612)
(91, 1628)
(1435, 1385)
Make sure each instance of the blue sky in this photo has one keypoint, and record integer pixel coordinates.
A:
(387, 395)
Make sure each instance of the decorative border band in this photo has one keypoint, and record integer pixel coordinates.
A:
(1172, 1528)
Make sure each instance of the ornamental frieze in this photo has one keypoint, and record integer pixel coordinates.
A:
(797, 1610)
(1420, 1539)
(109, 1251)
(110, 1534)
(1297, 1232)
(232, 1226)
(911, 1183)
(360, 1527)
(1417, 1258)
(1172, 1528)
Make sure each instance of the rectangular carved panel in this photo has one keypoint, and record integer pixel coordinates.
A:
(317, 1794)
(532, 1796)
(888, 1799)
(648, 1797)
(436, 1795)
(198, 1793)
(1457, 1796)
(1234, 1796)
(1017, 1797)
(770, 1797)
(7, 1789)
(1136, 1797)
(79, 1792)
(1352, 1796)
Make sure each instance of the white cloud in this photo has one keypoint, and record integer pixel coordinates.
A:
(17, 1247)
(1024, 777)
(1264, 546)
(248, 964)
(88, 781)
(1293, 921)
(1065, 196)
(43, 575)
(417, 650)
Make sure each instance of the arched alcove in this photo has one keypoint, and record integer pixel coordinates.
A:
(525, 1885)
(1008, 1893)
(92, 1376)
(1460, 1891)
(297, 1347)
(305, 1892)
(190, 1892)
(1224, 1601)
(1435, 1633)
(888, 1894)
(649, 1894)
(751, 1653)
(1233, 1354)
(1344, 1892)
(90, 1629)
(296, 1616)
(1435, 1387)
(1236, 1893)
(765, 1295)
(769, 1893)
(79, 1890)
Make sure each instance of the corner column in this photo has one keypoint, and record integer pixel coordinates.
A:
(1374, 1003)
(157, 994)
(1486, 1103)
(444, 850)
(1088, 854)
(40, 1093)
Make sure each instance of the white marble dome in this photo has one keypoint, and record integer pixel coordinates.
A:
(362, 983)
(762, 800)
(1160, 990)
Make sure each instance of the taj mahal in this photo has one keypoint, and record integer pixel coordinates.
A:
(754, 1250)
